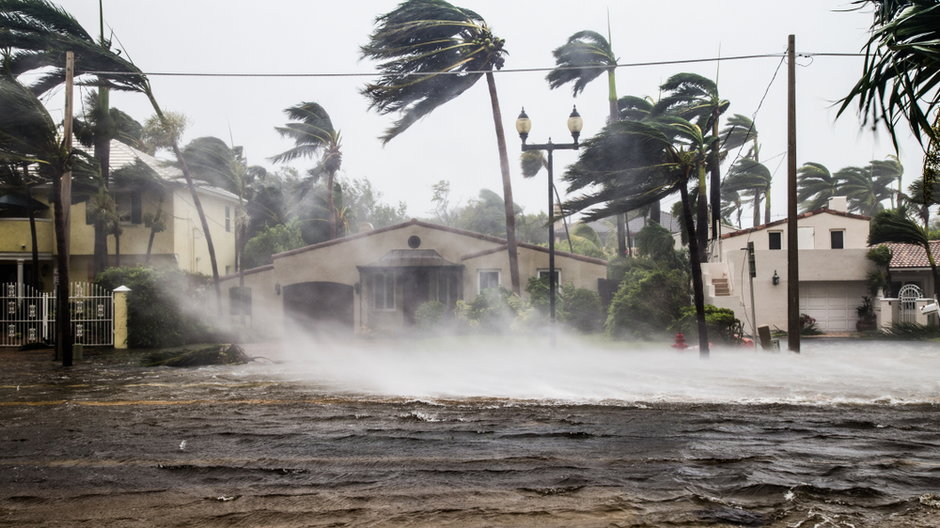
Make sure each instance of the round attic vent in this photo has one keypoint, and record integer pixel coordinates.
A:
(414, 241)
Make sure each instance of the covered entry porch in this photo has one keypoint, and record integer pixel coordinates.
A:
(395, 286)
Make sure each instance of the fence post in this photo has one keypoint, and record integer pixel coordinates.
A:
(120, 316)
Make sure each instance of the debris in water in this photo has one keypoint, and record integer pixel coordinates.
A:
(183, 445)
(197, 356)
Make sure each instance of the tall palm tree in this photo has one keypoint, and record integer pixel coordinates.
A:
(751, 177)
(864, 191)
(430, 52)
(313, 134)
(889, 169)
(36, 35)
(696, 99)
(816, 185)
(639, 162)
(580, 60)
(739, 130)
(28, 135)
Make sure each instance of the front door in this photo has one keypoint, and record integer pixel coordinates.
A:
(416, 285)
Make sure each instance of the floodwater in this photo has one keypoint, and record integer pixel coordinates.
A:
(845, 435)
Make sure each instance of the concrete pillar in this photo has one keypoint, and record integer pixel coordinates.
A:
(120, 316)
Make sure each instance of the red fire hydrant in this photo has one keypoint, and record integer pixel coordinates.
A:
(680, 342)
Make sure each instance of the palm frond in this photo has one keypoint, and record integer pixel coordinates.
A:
(417, 42)
(585, 56)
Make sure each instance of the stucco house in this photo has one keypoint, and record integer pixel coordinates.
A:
(911, 289)
(374, 282)
(833, 270)
(181, 244)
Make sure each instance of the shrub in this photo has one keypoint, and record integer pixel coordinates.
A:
(808, 325)
(648, 301)
(158, 306)
(722, 325)
(580, 309)
(493, 310)
(430, 315)
(274, 239)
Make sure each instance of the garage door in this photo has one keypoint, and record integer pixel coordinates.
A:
(320, 307)
(832, 304)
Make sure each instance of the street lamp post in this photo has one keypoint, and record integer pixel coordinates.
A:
(523, 126)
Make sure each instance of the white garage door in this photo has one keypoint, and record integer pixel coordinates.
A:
(832, 304)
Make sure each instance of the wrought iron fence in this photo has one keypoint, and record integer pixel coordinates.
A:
(28, 314)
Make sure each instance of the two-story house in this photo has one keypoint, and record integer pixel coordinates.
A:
(833, 270)
(181, 243)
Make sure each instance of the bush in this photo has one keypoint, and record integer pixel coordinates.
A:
(581, 309)
(430, 315)
(649, 300)
(158, 313)
(275, 239)
(722, 325)
(493, 310)
(808, 325)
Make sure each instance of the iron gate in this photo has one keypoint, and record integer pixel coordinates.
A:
(28, 314)
(908, 299)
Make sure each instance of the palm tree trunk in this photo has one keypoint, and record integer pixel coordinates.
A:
(702, 216)
(757, 196)
(103, 156)
(767, 205)
(196, 202)
(329, 203)
(34, 276)
(117, 250)
(613, 116)
(715, 189)
(157, 219)
(63, 322)
(507, 185)
(698, 289)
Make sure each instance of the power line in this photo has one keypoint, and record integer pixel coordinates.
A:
(471, 72)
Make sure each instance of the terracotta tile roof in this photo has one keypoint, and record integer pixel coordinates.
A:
(798, 218)
(911, 255)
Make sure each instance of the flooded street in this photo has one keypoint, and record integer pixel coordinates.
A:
(109, 443)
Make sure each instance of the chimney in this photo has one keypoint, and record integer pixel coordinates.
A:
(838, 203)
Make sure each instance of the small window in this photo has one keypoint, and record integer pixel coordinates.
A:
(775, 239)
(543, 274)
(383, 291)
(228, 219)
(489, 279)
(837, 239)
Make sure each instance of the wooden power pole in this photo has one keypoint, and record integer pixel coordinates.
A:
(62, 315)
(793, 258)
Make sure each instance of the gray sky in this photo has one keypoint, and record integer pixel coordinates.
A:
(457, 142)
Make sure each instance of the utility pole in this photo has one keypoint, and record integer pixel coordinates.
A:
(793, 259)
(62, 318)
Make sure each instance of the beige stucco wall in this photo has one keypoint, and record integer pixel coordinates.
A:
(189, 241)
(856, 233)
(338, 261)
(15, 236)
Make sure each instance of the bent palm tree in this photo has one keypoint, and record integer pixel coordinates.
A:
(635, 163)
(582, 59)
(864, 190)
(816, 185)
(313, 133)
(752, 177)
(430, 52)
(695, 98)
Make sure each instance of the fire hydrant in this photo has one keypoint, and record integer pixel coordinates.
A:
(680, 342)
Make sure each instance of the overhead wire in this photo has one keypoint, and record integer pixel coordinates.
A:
(469, 72)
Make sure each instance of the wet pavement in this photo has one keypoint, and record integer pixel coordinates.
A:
(110, 443)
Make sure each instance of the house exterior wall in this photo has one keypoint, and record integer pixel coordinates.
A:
(337, 261)
(15, 236)
(188, 238)
(840, 272)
